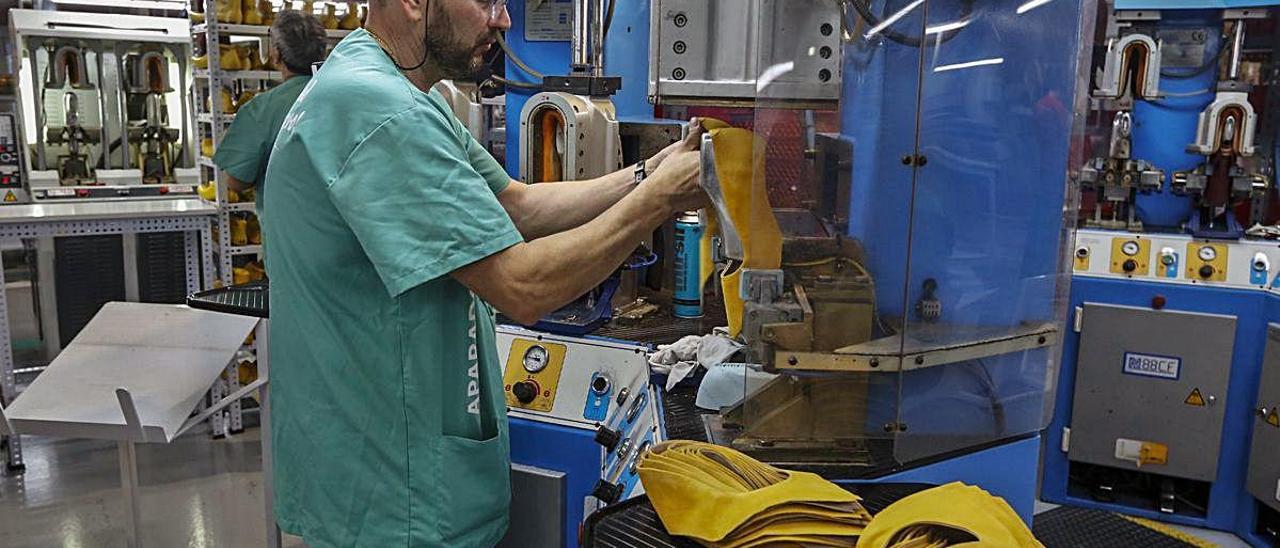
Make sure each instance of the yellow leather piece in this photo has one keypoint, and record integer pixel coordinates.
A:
(740, 166)
(225, 101)
(244, 98)
(229, 57)
(207, 191)
(229, 11)
(200, 61)
(249, 56)
(240, 232)
(249, 12)
(715, 494)
(330, 18)
(267, 11)
(350, 21)
(954, 505)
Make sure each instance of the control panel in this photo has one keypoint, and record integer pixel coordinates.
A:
(12, 190)
(533, 373)
(569, 381)
(1131, 256)
(624, 439)
(1176, 258)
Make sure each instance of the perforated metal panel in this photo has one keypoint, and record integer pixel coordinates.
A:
(88, 273)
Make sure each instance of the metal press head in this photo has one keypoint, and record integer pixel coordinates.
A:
(730, 242)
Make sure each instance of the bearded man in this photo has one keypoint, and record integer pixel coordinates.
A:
(394, 237)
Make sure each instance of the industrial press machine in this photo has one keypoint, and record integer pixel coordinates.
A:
(888, 241)
(1167, 398)
(103, 130)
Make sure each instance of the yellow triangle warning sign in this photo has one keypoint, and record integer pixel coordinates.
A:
(1274, 418)
(1195, 398)
(10, 197)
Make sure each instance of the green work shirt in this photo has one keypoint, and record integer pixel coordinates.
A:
(244, 149)
(388, 413)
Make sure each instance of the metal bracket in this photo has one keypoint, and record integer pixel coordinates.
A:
(133, 425)
(223, 403)
(1244, 13)
(761, 286)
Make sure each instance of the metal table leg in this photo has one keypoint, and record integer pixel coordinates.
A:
(129, 484)
(264, 414)
(8, 390)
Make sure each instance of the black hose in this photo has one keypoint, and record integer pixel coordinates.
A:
(513, 83)
(608, 18)
(864, 11)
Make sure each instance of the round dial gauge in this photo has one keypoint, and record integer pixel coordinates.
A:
(1208, 253)
(1129, 248)
(535, 359)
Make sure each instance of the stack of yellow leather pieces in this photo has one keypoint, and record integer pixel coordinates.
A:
(954, 514)
(720, 497)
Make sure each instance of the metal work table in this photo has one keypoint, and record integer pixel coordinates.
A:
(29, 221)
(134, 375)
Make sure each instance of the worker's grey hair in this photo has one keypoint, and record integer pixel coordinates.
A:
(298, 39)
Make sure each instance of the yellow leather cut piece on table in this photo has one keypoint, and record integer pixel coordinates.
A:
(954, 506)
(715, 494)
(740, 166)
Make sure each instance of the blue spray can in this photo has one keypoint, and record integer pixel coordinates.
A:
(688, 289)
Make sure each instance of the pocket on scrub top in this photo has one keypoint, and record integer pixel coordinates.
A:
(475, 483)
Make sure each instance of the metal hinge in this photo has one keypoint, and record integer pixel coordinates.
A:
(1066, 439)
(1077, 323)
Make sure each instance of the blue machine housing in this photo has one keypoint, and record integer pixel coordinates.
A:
(987, 135)
(1230, 507)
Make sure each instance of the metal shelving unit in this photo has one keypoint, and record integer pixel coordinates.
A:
(212, 121)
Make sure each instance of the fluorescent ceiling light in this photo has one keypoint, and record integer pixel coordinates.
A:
(970, 64)
(892, 19)
(1033, 4)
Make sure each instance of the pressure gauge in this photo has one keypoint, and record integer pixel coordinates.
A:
(1208, 253)
(535, 359)
(1129, 248)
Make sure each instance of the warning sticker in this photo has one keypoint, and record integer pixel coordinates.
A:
(1274, 418)
(10, 197)
(1195, 398)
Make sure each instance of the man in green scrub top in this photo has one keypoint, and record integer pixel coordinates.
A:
(297, 41)
(394, 235)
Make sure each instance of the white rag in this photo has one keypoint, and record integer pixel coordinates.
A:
(681, 358)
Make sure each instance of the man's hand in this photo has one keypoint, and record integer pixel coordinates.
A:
(692, 142)
(677, 182)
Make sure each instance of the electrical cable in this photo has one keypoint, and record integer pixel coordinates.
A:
(514, 84)
(997, 407)
(608, 18)
(864, 11)
(502, 42)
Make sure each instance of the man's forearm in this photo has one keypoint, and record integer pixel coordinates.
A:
(549, 208)
(535, 277)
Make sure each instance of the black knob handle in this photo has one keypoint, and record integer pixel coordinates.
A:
(1130, 265)
(1206, 271)
(608, 437)
(525, 391)
(608, 493)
